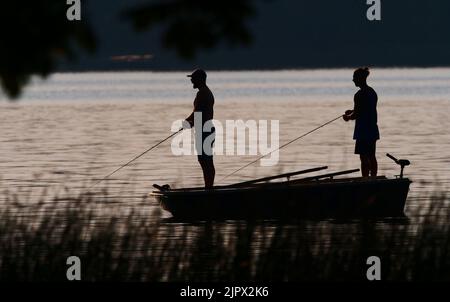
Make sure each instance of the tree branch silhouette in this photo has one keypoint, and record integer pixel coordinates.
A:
(34, 36)
(193, 25)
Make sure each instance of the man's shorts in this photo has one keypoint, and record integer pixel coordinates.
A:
(365, 147)
(205, 152)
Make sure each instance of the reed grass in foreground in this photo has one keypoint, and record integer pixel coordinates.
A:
(133, 243)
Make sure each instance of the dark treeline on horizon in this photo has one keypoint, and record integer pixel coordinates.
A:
(286, 34)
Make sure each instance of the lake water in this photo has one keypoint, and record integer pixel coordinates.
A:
(76, 127)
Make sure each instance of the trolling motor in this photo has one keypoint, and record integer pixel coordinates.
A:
(402, 162)
(162, 188)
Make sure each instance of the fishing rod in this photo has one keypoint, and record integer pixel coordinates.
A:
(136, 157)
(288, 143)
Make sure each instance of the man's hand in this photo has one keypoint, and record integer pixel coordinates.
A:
(188, 123)
(347, 115)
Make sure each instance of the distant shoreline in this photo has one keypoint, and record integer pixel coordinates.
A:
(163, 70)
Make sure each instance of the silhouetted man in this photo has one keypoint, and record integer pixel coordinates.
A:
(204, 134)
(366, 131)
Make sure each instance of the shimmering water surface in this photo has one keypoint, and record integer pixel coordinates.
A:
(73, 128)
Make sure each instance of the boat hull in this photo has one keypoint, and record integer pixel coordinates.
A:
(318, 199)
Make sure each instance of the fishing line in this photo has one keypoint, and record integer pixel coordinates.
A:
(288, 143)
(135, 158)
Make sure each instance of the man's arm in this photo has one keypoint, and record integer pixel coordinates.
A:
(352, 114)
(190, 118)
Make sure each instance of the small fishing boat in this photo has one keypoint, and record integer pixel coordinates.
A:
(321, 196)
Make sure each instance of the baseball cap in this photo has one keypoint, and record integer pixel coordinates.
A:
(198, 73)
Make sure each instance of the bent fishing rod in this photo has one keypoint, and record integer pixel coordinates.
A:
(136, 157)
(288, 143)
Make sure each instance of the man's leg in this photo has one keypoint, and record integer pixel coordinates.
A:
(365, 165)
(373, 165)
(206, 159)
(209, 172)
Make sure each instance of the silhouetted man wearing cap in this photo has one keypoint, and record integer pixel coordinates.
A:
(204, 134)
